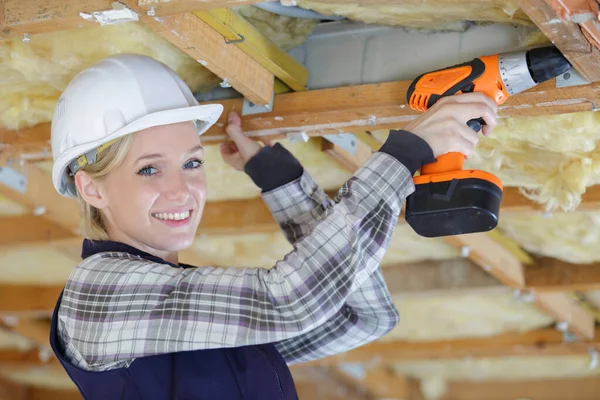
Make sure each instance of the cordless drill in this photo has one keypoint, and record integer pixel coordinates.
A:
(447, 199)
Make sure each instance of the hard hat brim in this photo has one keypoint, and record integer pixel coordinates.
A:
(206, 116)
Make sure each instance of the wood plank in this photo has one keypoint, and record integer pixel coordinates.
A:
(550, 275)
(492, 257)
(13, 391)
(39, 191)
(582, 388)
(534, 343)
(232, 27)
(508, 269)
(381, 382)
(33, 17)
(372, 106)
(567, 36)
(349, 161)
(566, 310)
(42, 393)
(36, 330)
(25, 359)
(320, 383)
(169, 7)
(29, 229)
(197, 39)
(18, 298)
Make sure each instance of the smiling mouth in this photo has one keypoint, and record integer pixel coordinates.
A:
(173, 216)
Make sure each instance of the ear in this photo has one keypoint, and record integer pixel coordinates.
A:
(89, 190)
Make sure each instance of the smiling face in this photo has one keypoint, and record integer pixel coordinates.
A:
(155, 198)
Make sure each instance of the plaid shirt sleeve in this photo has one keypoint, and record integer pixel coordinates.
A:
(368, 312)
(117, 307)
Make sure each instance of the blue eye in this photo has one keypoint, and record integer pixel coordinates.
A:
(147, 171)
(193, 164)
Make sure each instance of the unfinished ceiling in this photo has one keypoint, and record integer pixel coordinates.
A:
(552, 159)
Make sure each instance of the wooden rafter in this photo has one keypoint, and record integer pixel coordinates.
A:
(419, 279)
(534, 343)
(355, 109)
(580, 49)
(582, 388)
(18, 17)
(200, 41)
(233, 27)
(508, 269)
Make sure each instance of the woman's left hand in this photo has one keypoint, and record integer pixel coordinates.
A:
(242, 148)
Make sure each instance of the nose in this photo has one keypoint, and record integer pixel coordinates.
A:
(176, 188)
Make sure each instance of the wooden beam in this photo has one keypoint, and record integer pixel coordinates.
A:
(13, 391)
(381, 382)
(581, 388)
(549, 274)
(492, 257)
(18, 298)
(32, 16)
(200, 41)
(419, 279)
(169, 7)
(18, 17)
(234, 27)
(508, 269)
(320, 383)
(25, 359)
(534, 343)
(350, 161)
(36, 330)
(567, 36)
(29, 229)
(39, 192)
(372, 106)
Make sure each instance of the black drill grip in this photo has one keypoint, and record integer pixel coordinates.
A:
(476, 124)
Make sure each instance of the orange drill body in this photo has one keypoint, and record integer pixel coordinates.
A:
(447, 199)
(480, 75)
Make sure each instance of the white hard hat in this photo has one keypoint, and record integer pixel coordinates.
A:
(118, 95)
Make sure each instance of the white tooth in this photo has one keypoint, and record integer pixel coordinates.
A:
(178, 216)
(170, 216)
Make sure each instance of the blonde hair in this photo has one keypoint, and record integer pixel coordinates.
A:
(93, 225)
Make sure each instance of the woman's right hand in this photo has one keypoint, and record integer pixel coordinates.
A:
(444, 126)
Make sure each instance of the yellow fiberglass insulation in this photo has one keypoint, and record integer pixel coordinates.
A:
(428, 14)
(572, 237)
(553, 159)
(286, 32)
(456, 315)
(33, 74)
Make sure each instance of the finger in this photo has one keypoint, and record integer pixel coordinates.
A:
(235, 132)
(234, 119)
(476, 97)
(465, 112)
(465, 132)
(267, 142)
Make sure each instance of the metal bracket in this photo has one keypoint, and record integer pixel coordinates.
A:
(570, 78)
(249, 107)
(13, 179)
(346, 141)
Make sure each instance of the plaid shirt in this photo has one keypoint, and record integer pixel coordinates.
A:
(327, 296)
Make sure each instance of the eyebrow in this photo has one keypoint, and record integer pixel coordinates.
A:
(159, 155)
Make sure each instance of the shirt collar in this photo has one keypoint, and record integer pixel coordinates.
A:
(91, 247)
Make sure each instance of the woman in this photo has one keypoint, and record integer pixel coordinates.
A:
(134, 323)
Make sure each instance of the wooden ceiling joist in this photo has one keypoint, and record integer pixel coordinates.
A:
(356, 109)
(533, 343)
(20, 17)
(553, 18)
(201, 42)
(508, 269)
(414, 280)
